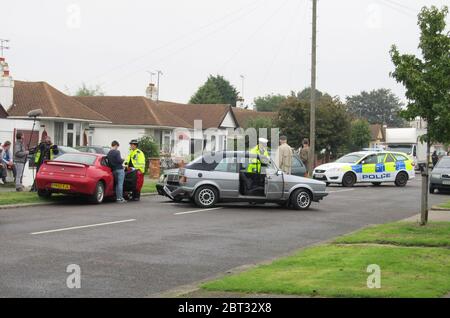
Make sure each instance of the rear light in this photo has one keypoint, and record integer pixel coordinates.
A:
(183, 179)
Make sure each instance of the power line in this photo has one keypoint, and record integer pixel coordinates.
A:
(397, 8)
(175, 40)
(216, 30)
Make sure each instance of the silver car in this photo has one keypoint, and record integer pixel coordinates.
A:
(440, 176)
(229, 177)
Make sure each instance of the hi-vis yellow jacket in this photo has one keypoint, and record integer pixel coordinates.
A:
(136, 159)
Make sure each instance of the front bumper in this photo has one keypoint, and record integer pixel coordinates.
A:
(328, 177)
(442, 183)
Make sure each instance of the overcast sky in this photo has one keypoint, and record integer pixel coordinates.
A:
(115, 43)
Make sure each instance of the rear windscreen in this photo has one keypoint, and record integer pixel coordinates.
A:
(77, 158)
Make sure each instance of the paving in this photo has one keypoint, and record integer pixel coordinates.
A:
(153, 246)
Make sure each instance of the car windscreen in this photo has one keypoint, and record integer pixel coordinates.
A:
(77, 158)
(444, 163)
(350, 158)
(400, 148)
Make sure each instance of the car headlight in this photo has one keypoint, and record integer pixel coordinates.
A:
(436, 176)
(162, 178)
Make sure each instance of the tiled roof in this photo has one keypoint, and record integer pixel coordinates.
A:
(34, 95)
(133, 110)
(244, 115)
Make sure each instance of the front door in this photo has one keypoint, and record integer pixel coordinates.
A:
(374, 169)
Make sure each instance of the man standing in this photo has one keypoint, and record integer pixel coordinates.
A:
(7, 161)
(304, 152)
(116, 161)
(44, 151)
(259, 149)
(284, 156)
(434, 158)
(136, 160)
(20, 159)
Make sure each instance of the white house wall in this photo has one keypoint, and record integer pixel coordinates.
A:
(103, 136)
(7, 127)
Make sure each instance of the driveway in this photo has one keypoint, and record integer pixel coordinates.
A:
(145, 248)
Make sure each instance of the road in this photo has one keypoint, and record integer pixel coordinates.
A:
(141, 249)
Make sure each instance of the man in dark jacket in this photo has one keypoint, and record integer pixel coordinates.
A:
(116, 164)
(44, 151)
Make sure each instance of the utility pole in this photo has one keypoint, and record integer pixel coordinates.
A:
(312, 125)
(3, 46)
(157, 88)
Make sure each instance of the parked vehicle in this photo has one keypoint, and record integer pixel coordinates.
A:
(367, 166)
(440, 176)
(407, 140)
(94, 149)
(82, 174)
(223, 177)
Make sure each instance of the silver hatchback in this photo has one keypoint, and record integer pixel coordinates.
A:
(229, 177)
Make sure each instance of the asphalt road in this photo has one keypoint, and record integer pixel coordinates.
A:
(156, 245)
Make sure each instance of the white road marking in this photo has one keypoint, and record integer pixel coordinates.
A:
(196, 211)
(82, 227)
(337, 191)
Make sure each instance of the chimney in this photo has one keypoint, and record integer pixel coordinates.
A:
(6, 85)
(151, 92)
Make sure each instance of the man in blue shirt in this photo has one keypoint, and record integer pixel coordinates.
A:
(116, 164)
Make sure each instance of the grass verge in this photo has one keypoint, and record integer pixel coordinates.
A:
(340, 270)
(445, 205)
(13, 197)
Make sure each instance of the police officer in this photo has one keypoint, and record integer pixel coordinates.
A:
(136, 160)
(259, 149)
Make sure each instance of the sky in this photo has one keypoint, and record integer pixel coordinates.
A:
(262, 46)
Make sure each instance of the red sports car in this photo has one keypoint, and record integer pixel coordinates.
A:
(77, 173)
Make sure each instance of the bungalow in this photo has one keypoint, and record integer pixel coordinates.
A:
(377, 133)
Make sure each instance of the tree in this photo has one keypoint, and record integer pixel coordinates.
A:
(427, 83)
(216, 90)
(360, 134)
(269, 103)
(85, 90)
(333, 123)
(150, 149)
(378, 106)
(305, 94)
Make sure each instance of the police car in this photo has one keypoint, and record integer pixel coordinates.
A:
(367, 166)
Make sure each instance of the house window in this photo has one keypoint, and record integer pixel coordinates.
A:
(59, 133)
(166, 141)
(72, 134)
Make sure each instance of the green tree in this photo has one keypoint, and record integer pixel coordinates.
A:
(269, 103)
(150, 149)
(216, 90)
(360, 135)
(305, 94)
(427, 82)
(332, 126)
(85, 90)
(378, 106)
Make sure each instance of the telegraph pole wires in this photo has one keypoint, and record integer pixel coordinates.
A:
(312, 126)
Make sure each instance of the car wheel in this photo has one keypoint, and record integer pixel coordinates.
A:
(401, 180)
(44, 194)
(206, 196)
(301, 199)
(348, 180)
(99, 193)
(376, 184)
(431, 189)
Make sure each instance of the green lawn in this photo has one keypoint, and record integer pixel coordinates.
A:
(445, 205)
(434, 234)
(339, 270)
(12, 197)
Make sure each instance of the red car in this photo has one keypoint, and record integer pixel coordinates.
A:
(77, 173)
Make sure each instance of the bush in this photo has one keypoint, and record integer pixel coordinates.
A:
(150, 149)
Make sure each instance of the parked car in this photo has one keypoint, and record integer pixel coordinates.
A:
(76, 173)
(223, 177)
(367, 166)
(94, 149)
(440, 176)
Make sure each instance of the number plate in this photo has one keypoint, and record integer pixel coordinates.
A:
(446, 182)
(319, 175)
(60, 186)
